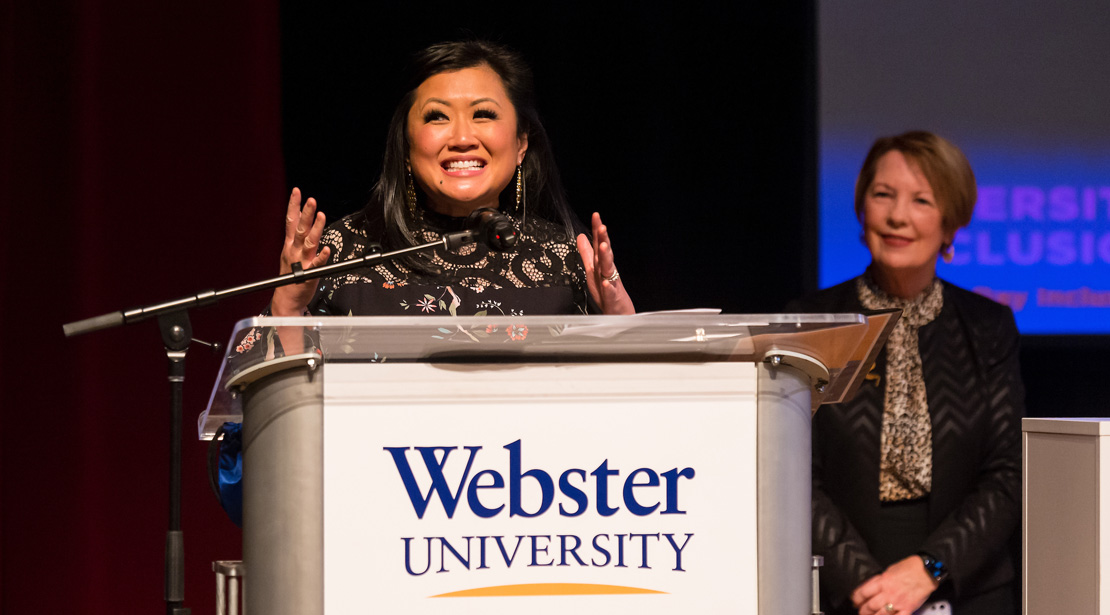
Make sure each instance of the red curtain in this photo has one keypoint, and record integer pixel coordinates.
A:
(140, 160)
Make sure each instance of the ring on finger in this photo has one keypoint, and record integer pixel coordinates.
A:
(613, 277)
(889, 608)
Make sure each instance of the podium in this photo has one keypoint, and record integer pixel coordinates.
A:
(509, 464)
(1065, 516)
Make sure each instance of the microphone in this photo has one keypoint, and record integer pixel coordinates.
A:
(492, 228)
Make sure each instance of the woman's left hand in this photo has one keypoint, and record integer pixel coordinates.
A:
(904, 584)
(601, 274)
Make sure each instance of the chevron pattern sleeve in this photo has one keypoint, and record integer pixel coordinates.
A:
(971, 539)
(848, 562)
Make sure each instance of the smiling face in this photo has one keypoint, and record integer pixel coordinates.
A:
(463, 141)
(902, 225)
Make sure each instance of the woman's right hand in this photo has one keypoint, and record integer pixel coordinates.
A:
(303, 228)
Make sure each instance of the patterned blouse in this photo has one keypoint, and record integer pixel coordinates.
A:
(542, 275)
(906, 466)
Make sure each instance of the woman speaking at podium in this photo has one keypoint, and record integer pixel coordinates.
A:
(917, 480)
(465, 136)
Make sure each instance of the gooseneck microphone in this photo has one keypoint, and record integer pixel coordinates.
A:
(492, 228)
(486, 225)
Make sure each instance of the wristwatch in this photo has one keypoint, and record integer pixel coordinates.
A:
(934, 567)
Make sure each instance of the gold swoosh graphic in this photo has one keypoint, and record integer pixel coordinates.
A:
(547, 589)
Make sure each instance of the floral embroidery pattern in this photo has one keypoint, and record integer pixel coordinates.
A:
(544, 258)
(471, 280)
(248, 342)
(513, 333)
(429, 303)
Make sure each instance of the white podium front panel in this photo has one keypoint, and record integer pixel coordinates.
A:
(554, 492)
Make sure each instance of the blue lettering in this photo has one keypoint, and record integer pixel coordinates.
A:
(602, 473)
(672, 489)
(504, 554)
(547, 487)
(620, 551)
(472, 493)
(408, 558)
(569, 546)
(482, 552)
(630, 498)
(597, 547)
(573, 493)
(536, 550)
(643, 547)
(443, 544)
(573, 550)
(678, 550)
(435, 470)
(573, 490)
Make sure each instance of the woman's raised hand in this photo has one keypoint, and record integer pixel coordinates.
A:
(303, 228)
(601, 274)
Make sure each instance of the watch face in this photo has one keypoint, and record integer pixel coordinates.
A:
(934, 567)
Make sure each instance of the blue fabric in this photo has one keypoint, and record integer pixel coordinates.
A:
(231, 472)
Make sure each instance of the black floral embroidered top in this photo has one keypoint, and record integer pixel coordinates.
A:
(542, 275)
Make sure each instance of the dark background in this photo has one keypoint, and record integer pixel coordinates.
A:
(689, 127)
(147, 149)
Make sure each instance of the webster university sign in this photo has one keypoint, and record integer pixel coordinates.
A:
(504, 491)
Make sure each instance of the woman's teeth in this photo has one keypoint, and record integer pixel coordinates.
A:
(464, 164)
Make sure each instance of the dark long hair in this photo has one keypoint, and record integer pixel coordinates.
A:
(544, 195)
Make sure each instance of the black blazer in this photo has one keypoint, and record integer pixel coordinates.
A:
(976, 401)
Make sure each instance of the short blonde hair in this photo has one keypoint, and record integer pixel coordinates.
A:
(943, 164)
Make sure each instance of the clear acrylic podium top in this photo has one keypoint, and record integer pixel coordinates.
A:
(835, 349)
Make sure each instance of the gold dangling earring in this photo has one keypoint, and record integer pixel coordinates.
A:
(410, 193)
(520, 196)
(947, 253)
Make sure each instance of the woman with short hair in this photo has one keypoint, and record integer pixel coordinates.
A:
(917, 480)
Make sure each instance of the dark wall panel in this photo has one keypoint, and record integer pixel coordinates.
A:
(141, 161)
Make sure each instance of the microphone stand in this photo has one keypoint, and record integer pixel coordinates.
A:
(177, 333)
